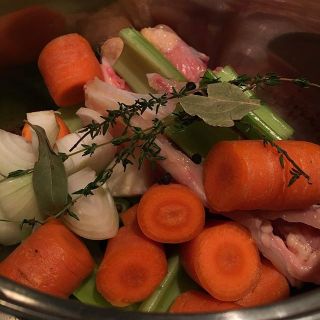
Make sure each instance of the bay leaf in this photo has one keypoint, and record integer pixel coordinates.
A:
(49, 177)
(224, 104)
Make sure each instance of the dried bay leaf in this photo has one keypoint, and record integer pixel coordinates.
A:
(224, 104)
(49, 177)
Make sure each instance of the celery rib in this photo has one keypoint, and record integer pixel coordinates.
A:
(151, 304)
(140, 57)
(175, 283)
(262, 122)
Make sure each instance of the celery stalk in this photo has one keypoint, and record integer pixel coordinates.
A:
(150, 304)
(199, 137)
(175, 282)
(261, 122)
(140, 57)
(70, 118)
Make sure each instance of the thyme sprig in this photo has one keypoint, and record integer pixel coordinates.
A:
(142, 140)
(33, 221)
(296, 172)
(125, 113)
(269, 79)
(149, 149)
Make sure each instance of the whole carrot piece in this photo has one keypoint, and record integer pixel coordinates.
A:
(129, 217)
(52, 260)
(249, 175)
(170, 213)
(67, 63)
(224, 260)
(132, 268)
(272, 287)
(194, 301)
(24, 32)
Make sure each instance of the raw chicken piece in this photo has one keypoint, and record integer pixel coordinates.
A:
(294, 248)
(110, 52)
(191, 63)
(112, 49)
(101, 97)
(163, 85)
(110, 76)
(309, 216)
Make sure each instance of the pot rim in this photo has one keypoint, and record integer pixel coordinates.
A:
(21, 301)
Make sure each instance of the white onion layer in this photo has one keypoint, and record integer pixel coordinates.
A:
(15, 153)
(47, 120)
(98, 161)
(97, 213)
(132, 182)
(17, 202)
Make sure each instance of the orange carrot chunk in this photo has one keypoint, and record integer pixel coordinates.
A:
(170, 214)
(67, 63)
(129, 217)
(23, 34)
(224, 260)
(272, 287)
(194, 301)
(52, 260)
(63, 130)
(132, 268)
(246, 175)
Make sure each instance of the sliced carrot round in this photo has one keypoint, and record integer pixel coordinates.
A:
(63, 128)
(132, 268)
(272, 287)
(224, 259)
(170, 214)
(194, 301)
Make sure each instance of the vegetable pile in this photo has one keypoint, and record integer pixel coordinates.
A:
(199, 188)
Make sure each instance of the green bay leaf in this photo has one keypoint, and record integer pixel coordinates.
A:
(224, 104)
(49, 177)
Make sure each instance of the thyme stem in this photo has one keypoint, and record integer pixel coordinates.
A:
(308, 84)
(296, 172)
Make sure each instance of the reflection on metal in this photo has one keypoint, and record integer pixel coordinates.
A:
(7, 317)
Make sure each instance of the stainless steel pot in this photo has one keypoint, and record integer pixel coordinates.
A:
(253, 36)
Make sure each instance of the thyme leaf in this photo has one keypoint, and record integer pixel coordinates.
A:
(296, 172)
(19, 173)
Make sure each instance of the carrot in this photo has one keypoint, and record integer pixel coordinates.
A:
(224, 260)
(63, 129)
(194, 301)
(246, 175)
(272, 287)
(170, 213)
(132, 268)
(67, 63)
(52, 260)
(129, 216)
(23, 34)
